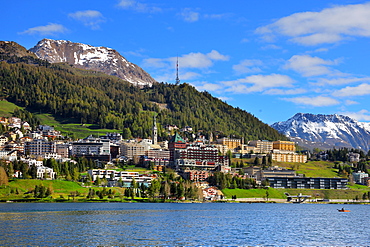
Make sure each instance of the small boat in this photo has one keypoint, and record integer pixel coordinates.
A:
(343, 210)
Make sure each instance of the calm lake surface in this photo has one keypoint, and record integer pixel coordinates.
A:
(182, 224)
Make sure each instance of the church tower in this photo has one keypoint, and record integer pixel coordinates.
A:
(154, 132)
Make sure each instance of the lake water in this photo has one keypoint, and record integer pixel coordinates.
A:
(182, 224)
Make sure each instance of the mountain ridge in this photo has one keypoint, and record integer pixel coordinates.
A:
(334, 130)
(83, 56)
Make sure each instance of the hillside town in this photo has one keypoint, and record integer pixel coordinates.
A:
(196, 161)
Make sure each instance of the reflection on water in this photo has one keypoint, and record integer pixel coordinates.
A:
(117, 224)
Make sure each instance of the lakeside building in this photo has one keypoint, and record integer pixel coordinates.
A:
(258, 174)
(123, 177)
(307, 183)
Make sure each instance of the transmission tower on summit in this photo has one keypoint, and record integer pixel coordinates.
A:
(177, 72)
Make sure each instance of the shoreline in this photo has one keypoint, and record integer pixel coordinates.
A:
(239, 200)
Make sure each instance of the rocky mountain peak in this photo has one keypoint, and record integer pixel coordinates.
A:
(332, 130)
(84, 56)
(12, 48)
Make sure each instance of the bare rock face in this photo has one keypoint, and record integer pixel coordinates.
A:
(12, 48)
(84, 56)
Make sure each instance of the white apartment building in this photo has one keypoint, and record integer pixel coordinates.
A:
(98, 147)
(124, 176)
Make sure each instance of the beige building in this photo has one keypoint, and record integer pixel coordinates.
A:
(158, 154)
(222, 148)
(230, 143)
(262, 147)
(284, 145)
(286, 157)
(131, 150)
(246, 149)
(63, 150)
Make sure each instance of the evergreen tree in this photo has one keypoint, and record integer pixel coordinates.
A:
(3, 176)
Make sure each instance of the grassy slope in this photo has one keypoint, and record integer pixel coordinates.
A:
(80, 131)
(312, 168)
(58, 187)
(6, 108)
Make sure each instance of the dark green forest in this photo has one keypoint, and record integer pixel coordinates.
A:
(81, 96)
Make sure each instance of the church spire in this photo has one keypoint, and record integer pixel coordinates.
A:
(155, 132)
(177, 72)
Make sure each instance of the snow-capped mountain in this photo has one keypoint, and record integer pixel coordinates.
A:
(327, 130)
(84, 56)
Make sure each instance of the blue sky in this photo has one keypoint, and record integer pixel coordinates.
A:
(270, 58)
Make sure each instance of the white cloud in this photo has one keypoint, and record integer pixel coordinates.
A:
(189, 75)
(340, 81)
(309, 66)
(327, 26)
(208, 87)
(259, 83)
(155, 62)
(192, 60)
(276, 91)
(351, 102)
(50, 29)
(248, 66)
(362, 115)
(359, 90)
(189, 15)
(313, 101)
(317, 39)
(215, 55)
(90, 18)
(137, 6)
(271, 47)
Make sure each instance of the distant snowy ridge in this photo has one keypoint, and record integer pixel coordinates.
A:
(84, 56)
(333, 130)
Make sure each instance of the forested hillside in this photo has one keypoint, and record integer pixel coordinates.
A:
(81, 96)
